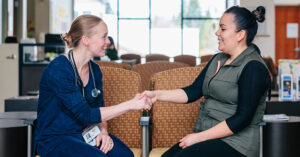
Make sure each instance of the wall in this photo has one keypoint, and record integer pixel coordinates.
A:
(30, 18)
(52, 16)
(266, 42)
(287, 2)
(21, 19)
(4, 18)
(1, 21)
(42, 24)
(61, 16)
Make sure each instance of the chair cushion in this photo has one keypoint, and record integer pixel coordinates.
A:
(137, 152)
(157, 152)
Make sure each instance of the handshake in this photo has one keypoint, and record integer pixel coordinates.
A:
(143, 101)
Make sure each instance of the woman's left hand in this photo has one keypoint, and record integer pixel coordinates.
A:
(107, 142)
(190, 139)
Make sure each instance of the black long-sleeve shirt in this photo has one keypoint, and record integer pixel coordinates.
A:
(253, 82)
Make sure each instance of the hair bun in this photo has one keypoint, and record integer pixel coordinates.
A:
(67, 39)
(259, 13)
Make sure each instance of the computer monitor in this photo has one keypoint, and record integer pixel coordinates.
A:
(54, 39)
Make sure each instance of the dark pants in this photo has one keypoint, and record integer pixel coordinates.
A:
(72, 146)
(210, 148)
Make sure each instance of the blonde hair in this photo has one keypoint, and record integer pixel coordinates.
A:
(82, 25)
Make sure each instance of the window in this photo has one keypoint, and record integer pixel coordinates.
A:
(199, 36)
(134, 36)
(166, 27)
(200, 22)
(133, 8)
(169, 27)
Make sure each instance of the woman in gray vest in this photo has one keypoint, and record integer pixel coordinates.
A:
(235, 84)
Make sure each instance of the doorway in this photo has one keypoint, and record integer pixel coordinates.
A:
(286, 48)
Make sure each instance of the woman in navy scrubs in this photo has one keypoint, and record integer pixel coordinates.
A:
(71, 97)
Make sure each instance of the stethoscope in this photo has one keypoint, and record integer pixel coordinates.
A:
(95, 92)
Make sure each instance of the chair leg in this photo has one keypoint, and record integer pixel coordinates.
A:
(144, 121)
(261, 124)
(29, 140)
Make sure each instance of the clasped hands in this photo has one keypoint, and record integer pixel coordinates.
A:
(143, 101)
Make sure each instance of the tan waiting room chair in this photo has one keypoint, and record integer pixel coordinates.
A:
(156, 57)
(113, 64)
(130, 56)
(120, 85)
(205, 58)
(187, 59)
(172, 121)
(148, 69)
(272, 68)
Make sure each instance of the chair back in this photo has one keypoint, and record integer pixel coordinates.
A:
(113, 64)
(172, 121)
(148, 69)
(156, 57)
(120, 85)
(130, 56)
(206, 58)
(188, 59)
(202, 65)
(271, 66)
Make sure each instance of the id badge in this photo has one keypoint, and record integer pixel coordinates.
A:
(90, 133)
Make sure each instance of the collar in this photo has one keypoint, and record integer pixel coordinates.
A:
(239, 60)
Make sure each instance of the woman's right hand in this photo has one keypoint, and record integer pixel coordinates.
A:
(151, 94)
(141, 103)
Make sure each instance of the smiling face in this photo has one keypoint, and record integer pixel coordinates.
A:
(227, 34)
(98, 41)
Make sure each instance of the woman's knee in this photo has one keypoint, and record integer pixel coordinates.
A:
(120, 152)
(119, 149)
(172, 151)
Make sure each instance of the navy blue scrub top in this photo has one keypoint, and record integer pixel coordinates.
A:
(62, 109)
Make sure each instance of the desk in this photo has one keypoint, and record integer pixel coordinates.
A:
(21, 103)
(16, 133)
(282, 139)
(13, 139)
(291, 108)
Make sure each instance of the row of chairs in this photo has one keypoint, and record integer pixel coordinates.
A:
(187, 59)
(191, 61)
(145, 70)
(170, 121)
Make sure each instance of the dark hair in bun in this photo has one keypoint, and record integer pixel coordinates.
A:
(259, 13)
(246, 20)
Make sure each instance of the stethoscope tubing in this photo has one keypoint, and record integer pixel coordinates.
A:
(95, 92)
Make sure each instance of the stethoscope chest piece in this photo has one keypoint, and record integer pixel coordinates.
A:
(95, 93)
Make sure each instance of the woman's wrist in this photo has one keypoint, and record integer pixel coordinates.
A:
(201, 137)
(156, 94)
(104, 131)
(128, 105)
